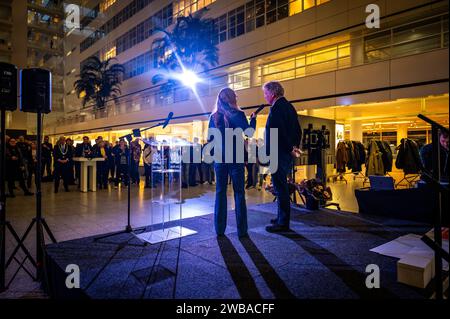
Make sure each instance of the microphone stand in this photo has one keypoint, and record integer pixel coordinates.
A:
(128, 229)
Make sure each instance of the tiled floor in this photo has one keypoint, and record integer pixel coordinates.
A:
(75, 215)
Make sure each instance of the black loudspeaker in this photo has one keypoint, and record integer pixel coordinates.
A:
(8, 86)
(35, 90)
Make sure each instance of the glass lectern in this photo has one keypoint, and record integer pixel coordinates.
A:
(167, 201)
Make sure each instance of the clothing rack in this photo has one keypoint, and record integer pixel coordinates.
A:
(411, 180)
(361, 175)
(339, 177)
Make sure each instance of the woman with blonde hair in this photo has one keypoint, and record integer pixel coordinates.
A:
(228, 115)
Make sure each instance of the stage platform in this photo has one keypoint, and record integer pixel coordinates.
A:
(323, 256)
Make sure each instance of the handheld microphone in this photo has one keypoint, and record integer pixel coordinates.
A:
(166, 122)
(259, 109)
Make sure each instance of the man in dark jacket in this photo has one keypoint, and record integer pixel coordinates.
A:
(15, 168)
(47, 151)
(426, 155)
(283, 117)
(62, 155)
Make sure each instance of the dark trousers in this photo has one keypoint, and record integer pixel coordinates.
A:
(250, 179)
(208, 171)
(193, 168)
(112, 169)
(122, 174)
(71, 173)
(31, 169)
(102, 174)
(12, 176)
(46, 165)
(78, 172)
(185, 174)
(236, 171)
(280, 184)
(148, 175)
(135, 178)
(62, 171)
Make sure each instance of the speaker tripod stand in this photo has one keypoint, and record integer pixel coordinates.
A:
(38, 221)
(5, 225)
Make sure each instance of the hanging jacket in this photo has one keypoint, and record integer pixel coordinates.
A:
(386, 152)
(374, 164)
(408, 158)
(341, 157)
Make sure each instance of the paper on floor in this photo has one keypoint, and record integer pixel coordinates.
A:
(410, 244)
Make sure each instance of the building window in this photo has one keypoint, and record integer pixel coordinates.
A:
(295, 6)
(260, 13)
(222, 27)
(125, 14)
(239, 77)
(186, 7)
(308, 4)
(412, 38)
(144, 30)
(250, 16)
(111, 53)
(105, 4)
(323, 60)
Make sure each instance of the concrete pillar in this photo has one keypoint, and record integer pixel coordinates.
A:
(356, 132)
(402, 132)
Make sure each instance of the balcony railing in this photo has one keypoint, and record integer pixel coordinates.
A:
(357, 49)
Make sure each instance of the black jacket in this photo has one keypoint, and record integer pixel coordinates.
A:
(426, 155)
(82, 149)
(283, 117)
(237, 119)
(62, 153)
(408, 158)
(47, 150)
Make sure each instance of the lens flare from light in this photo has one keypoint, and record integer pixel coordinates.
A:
(189, 78)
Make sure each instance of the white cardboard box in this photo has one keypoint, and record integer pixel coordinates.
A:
(415, 270)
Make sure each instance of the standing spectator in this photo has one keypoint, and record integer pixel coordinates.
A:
(32, 163)
(69, 143)
(111, 161)
(194, 165)
(185, 166)
(102, 151)
(25, 150)
(121, 156)
(114, 152)
(62, 154)
(47, 151)
(262, 170)
(83, 149)
(16, 168)
(136, 150)
(248, 166)
(148, 152)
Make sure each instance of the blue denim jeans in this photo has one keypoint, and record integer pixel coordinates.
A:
(279, 180)
(236, 172)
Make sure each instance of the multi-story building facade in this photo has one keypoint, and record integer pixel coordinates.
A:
(372, 81)
(36, 40)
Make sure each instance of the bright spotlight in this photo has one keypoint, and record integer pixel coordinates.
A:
(189, 78)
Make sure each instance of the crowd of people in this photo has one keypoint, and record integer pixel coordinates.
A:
(58, 164)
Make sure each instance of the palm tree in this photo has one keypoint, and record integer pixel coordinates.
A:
(190, 45)
(98, 81)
